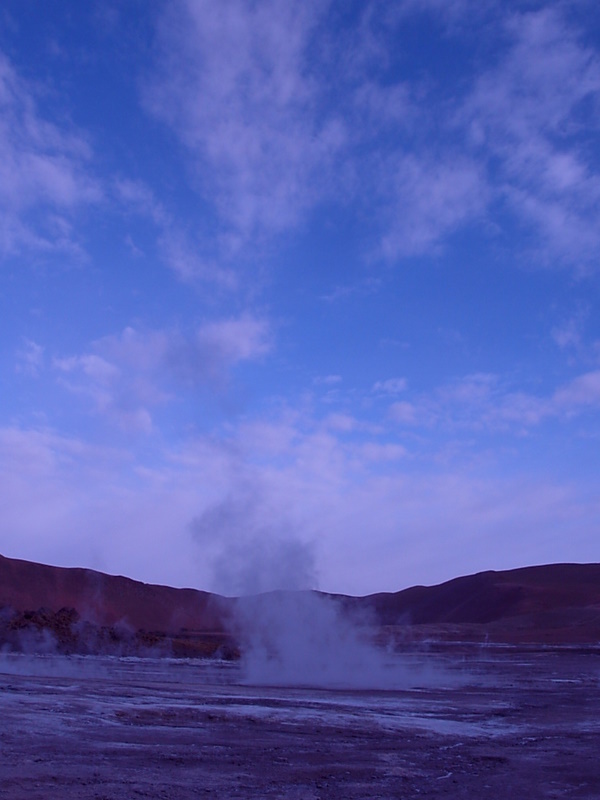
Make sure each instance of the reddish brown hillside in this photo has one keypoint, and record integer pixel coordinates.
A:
(558, 602)
(106, 599)
(492, 596)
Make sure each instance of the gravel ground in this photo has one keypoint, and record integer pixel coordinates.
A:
(489, 724)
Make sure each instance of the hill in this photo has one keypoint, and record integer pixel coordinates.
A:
(81, 610)
(87, 610)
(553, 603)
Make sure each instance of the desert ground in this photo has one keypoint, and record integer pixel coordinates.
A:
(470, 722)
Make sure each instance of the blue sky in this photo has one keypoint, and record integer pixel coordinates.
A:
(299, 294)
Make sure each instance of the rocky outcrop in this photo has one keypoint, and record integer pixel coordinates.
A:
(65, 632)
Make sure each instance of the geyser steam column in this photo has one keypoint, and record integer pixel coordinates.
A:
(305, 639)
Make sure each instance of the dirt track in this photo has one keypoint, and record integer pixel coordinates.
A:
(494, 725)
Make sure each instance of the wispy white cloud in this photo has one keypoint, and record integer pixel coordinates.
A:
(278, 117)
(114, 392)
(235, 84)
(533, 113)
(187, 259)
(341, 422)
(181, 251)
(572, 398)
(30, 358)
(390, 386)
(485, 402)
(232, 340)
(523, 128)
(579, 394)
(381, 452)
(569, 333)
(127, 376)
(408, 413)
(253, 114)
(44, 173)
(429, 200)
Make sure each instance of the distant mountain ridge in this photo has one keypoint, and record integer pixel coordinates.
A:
(105, 599)
(555, 602)
(493, 596)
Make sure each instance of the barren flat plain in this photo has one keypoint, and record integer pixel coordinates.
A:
(487, 722)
